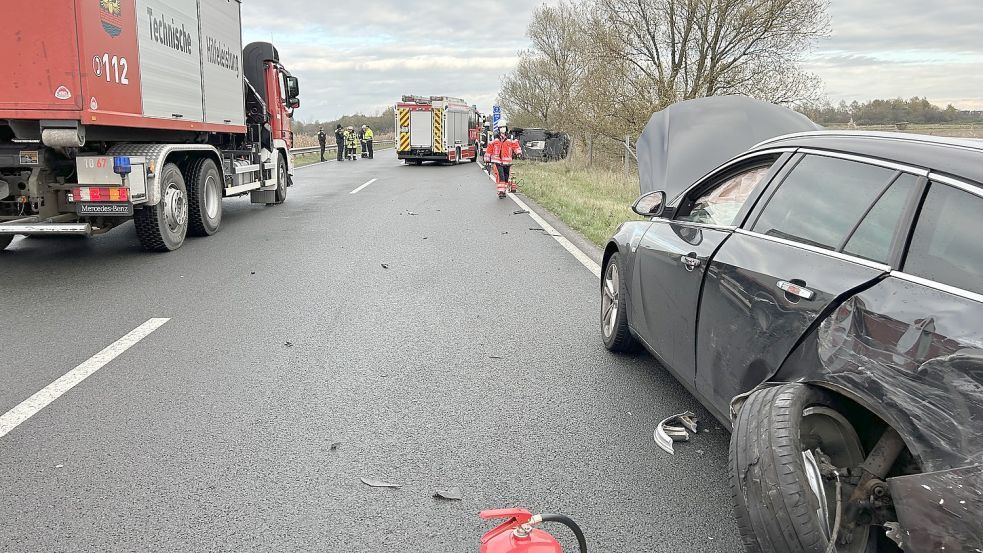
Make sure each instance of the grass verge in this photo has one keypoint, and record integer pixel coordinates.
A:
(591, 201)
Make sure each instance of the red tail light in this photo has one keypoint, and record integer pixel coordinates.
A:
(101, 194)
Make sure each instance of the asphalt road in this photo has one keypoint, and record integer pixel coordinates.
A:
(474, 360)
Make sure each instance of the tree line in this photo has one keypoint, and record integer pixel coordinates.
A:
(382, 124)
(887, 112)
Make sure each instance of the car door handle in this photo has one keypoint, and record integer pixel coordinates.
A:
(796, 290)
(690, 261)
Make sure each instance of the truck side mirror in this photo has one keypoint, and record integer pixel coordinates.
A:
(293, 89)
(293, 103)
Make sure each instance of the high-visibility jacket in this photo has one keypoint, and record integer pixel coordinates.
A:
(368, 133)
(506, 150)
(495, 151)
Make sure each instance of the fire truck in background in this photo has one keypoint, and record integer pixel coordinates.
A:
(149, 110)
(437, 128)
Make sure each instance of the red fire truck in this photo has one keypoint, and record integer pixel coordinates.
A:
(436, 128)
(150, 110)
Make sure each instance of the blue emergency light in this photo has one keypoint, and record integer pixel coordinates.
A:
(121, 165)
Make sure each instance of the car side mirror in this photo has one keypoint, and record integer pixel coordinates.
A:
(652, 204)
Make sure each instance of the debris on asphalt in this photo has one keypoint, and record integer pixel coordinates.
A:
(506, 232)
(425, 237)
(494, 357)
(520, 211)
(289, 344)
(665, 434)
(59, 466)
(385, 265)
(453, 494)
(335, 446)
(537, 228)
(379, 483)
(252, 272)
(411, 213)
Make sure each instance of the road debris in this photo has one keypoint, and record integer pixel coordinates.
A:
(411, 213)
(59, 466)
(252, 272)
(385, 265)
(494, 357)
(453, 494)
(520, 211)
(288, 344)
(665, 433)
(379, 483)
(335, 446)
(537, 228)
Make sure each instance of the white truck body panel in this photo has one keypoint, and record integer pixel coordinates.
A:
(421, 129)
(170, 61)
(191, 60)
(221, 62)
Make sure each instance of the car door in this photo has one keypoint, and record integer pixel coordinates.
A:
(671, 260)
(794, 258)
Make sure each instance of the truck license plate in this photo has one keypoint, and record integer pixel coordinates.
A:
(111, 209)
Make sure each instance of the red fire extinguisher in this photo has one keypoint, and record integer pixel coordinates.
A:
(519, 534)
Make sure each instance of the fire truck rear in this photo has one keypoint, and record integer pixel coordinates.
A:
(438, 128)
(150, 110)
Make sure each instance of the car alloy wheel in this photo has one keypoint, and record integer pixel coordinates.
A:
(609, 299)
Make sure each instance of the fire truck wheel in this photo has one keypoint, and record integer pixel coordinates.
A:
(204, 198)
(5, 240)
(281, 181)
(163, 227)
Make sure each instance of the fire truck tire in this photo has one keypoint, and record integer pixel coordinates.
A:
(5, 240)
(281, 182)
(163, 227)
(204, 198)
(776, 487)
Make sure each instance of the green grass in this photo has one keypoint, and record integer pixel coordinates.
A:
(591, 201)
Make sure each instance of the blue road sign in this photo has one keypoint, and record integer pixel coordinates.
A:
(496, 116)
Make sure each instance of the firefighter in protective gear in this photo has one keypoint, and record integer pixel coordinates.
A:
(502, 151)
(351, 144)
(339, 138)
(322, 141)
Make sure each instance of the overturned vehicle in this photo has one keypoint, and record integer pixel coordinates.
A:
(543, 145)
(821, 293)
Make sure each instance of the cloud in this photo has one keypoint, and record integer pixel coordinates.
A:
(903, 48)
(362, 58)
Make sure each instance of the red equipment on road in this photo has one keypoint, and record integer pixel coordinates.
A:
(519, 534)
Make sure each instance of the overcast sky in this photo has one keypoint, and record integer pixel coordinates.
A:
(352, 57)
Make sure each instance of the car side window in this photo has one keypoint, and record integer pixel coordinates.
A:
(822, 200)
(946, 245)
(875, 235)
(721, 204)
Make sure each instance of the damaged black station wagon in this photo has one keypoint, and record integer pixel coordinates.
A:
(821, 293)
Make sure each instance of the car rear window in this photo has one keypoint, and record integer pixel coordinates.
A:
(821, 201)
(946, 245)
(873, 238)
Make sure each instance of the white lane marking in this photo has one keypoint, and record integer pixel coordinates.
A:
(579, 254)
(30, 406)
(356, 191)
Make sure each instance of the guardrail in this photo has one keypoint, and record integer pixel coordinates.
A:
(376, 144)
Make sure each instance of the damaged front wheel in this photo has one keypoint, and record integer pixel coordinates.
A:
(787, 443)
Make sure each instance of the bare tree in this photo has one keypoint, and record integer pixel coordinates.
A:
(693, 48)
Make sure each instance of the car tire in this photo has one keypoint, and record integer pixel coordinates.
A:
(776, 507)
(614, 308)
(163, 227)
(5, 240)
(204, 198)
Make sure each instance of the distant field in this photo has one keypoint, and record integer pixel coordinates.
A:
(956, 131)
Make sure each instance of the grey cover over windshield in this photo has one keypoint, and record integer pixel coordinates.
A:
(687, 140)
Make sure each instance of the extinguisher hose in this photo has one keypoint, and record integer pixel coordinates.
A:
(569, 523)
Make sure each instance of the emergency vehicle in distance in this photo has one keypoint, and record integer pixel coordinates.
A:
(437, 128)
(148, 110)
